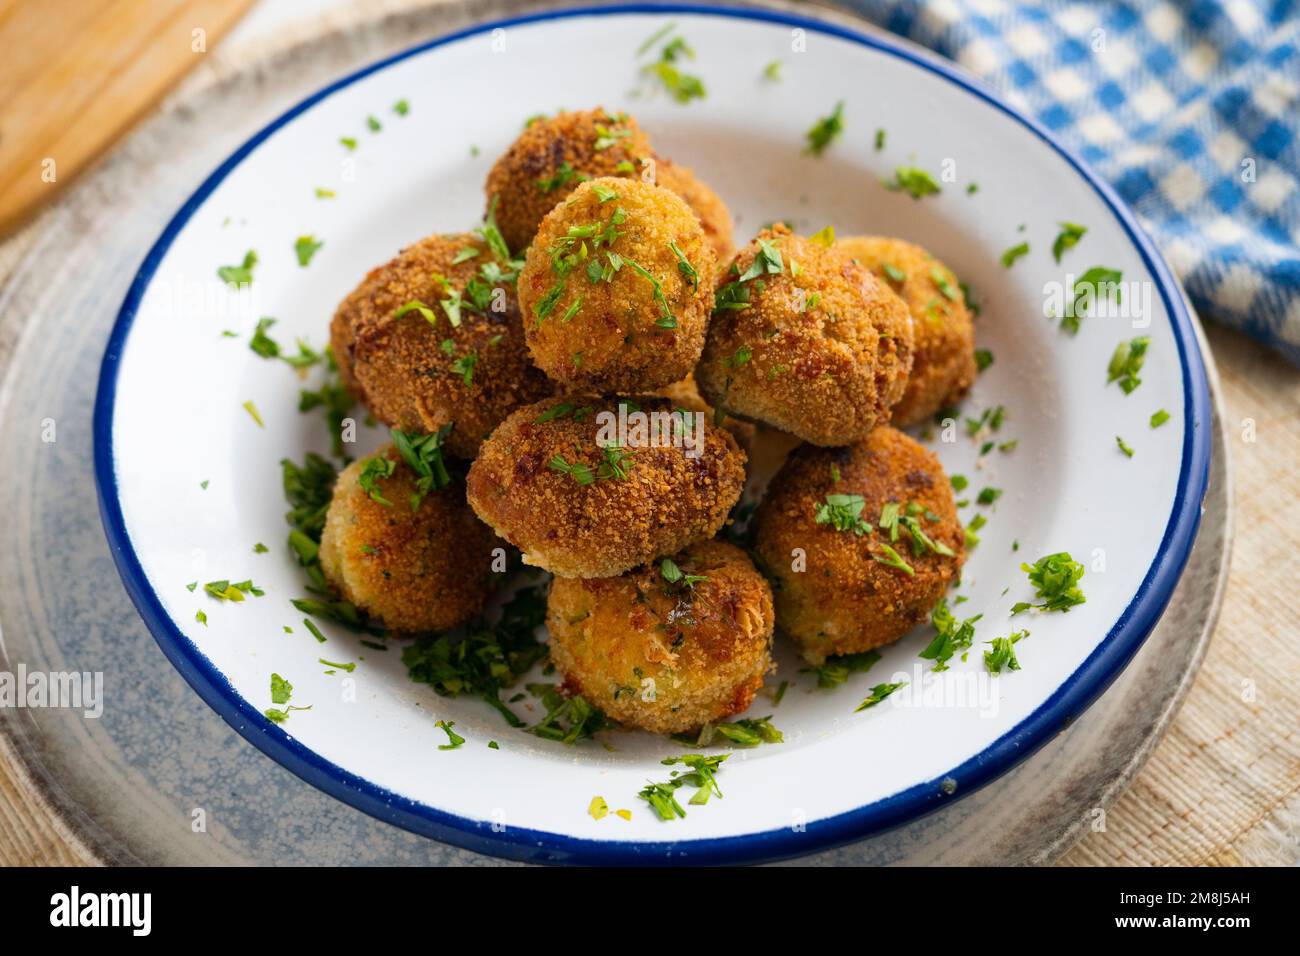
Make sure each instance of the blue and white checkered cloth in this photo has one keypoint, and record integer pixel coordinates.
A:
(1191, 110)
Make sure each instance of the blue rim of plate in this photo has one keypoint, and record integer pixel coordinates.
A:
(1053, 715)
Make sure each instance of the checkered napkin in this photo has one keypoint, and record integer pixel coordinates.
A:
(1191, 110)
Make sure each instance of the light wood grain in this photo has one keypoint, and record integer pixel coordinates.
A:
(75, 74)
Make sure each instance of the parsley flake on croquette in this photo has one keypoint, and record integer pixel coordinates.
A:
(843, 513)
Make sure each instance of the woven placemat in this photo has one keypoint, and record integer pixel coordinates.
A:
(1222, 788)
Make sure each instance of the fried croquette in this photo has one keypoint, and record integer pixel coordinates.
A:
(559, 481)
(709, 209)
(615, 291)
(805, 339)
(551, 157)
(669, 646)
(943, 336)
(860, 543)
(434, 338)
(417, 570)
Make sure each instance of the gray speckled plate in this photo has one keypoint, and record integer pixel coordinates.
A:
(132, 782)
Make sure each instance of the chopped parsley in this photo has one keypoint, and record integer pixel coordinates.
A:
(913, 181)
(681, 86)
(1124, 446)
(1127, 362)
(891, 558)
(988, 495)
(674, 575)
(834, 671)
(843, 513)
(423, 453)
(825, 131)
(579, 472)
(374, 470)
(487, 659)
(1089, 287)
(1159, 418)
(348, 142)
(1067, 238)
(747, 732)
(267, 347)
(685, 268)
(568, 718)
(701, 774)
(1002, 655)
(950, 635)
(1056, 578)
(983, 359)
(454, 739)
(401, 107)
(241, 274)
(305, 247)
(773, 71)
(1015, 252)
(878, 693)
(880, 140)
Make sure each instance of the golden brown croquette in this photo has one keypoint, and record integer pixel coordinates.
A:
(824, 534)
(551, 157)
(943, 363)
(434, 337)
(709, 209)
(553, 481)
(615, 290)
(414, 570)
(805, 339)
(666, 656)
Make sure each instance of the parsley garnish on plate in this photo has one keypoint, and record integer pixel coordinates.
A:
(454, 740)
(1124, 446)
(701, 773)
(568, 718)
(773, 71)
(281, 691)
(825, 131)
(1015, 252)
(746, 732)
(682, 87)
(913, 181)
(878, 693)
(1056, 578)
(834, 671)
(1067, 238)
(1159, 418)
(241, 274)
(951, 635)
(1127, 362)
(1002, 654)
(1087, 289)
(267, 347)
(486, 659)
(305, 247)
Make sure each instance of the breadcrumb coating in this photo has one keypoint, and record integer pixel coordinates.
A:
(415, 571)
(615, 291)
(419, 373)
(943, 365)
(814, 345)
(551, 157)
(662, 657)
(580, 510)
(845, 601)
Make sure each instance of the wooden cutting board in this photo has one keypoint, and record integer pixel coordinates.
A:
(75, 74)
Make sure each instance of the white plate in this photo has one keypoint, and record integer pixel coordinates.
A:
(169, 416)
